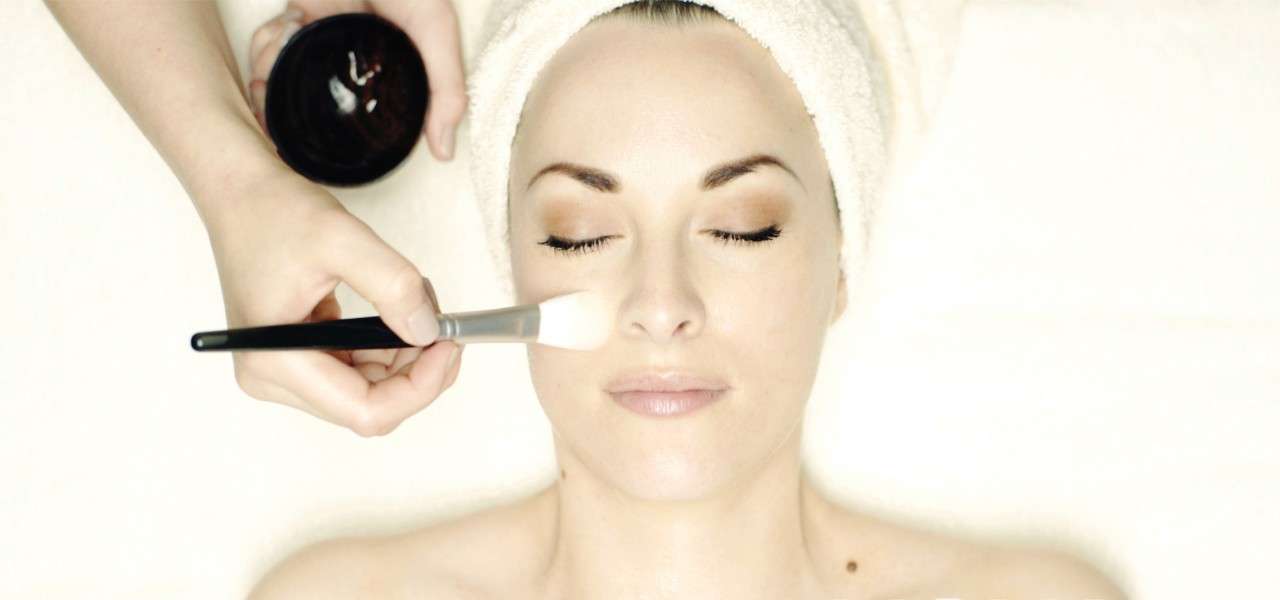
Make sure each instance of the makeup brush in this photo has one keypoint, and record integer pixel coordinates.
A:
(577, 321)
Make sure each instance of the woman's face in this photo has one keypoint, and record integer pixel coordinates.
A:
(651, 110)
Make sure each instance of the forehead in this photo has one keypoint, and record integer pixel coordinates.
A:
(624, 93)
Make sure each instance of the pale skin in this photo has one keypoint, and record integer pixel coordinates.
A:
(281, 243)
(715, 503)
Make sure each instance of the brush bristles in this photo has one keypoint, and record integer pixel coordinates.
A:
(578, 321)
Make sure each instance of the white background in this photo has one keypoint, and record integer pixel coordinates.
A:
(1073, 340)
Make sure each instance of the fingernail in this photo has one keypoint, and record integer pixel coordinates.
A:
(446, 141)
(431, 291)
(453, 358)
(423, 325)
(293, 14)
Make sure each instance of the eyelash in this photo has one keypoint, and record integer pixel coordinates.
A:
(745, 239)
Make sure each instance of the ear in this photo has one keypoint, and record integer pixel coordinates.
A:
(842, 298)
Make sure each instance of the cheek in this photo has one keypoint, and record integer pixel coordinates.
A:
(531, 280)
(568, 386)
(542, 371)
(768, 309)
(775, 329)
(551, 372)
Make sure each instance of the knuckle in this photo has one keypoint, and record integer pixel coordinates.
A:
(450, 105)
(405, 282)
(452, 99)
(464, 100)
(263, 63)
(435, 10)
(262, 35)
(247, 382)
(368, 423)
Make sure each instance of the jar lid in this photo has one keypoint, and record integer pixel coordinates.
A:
(346, 99)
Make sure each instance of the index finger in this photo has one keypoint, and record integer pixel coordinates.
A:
(351, 400)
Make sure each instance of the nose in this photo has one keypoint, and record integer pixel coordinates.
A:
(663, 302)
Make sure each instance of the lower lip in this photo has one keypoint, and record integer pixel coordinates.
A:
(666, 404)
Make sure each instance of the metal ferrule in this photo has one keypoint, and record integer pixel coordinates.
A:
(511, 324)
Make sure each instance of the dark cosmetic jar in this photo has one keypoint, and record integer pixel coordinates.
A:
(346, 99)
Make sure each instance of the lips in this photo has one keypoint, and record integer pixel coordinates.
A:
(666, 381)
(666, 393)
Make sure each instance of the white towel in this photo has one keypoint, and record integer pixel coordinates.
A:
(862, 90)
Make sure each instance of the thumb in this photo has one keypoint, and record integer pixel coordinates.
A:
(387, 280)
(433, 27)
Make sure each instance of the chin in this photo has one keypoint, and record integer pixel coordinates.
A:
(674, 472)
(683, 458)
(671, 481)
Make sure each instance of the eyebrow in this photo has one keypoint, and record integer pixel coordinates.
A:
(719, 175)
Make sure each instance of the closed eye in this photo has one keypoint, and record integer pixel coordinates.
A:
(583, 246)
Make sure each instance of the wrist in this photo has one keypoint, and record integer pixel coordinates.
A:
(232, 154)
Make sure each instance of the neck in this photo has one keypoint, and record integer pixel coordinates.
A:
(751, 538)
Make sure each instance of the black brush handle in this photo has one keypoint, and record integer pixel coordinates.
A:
(342, 334)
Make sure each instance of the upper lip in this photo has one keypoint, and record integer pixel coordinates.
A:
(665, 381)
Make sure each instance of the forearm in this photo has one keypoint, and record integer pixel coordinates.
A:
(170, 66)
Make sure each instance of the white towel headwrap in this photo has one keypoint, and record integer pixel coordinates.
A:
(861, 90)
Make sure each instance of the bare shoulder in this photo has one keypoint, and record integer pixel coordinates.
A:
(348, 567)
(900, 561)
(355, 567)
(1029, 573)
(487, 553)
(453, 559)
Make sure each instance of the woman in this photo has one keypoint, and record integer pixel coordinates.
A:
(698, 198)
